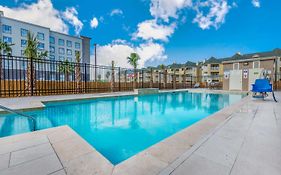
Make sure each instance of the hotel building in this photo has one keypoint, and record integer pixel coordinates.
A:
(58, 45)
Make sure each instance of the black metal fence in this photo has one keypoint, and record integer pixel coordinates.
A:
(20, 76)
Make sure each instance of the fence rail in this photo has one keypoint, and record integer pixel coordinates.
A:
(20, 76)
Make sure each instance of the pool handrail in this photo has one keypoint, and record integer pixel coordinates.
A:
(21, 114)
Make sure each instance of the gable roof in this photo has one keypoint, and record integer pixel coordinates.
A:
(237, 56)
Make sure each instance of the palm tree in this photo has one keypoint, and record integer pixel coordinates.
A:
(31, 52)
(78, 78)
(99, 77)
(66, 68)
(5, 48)
(164, 71)
(107, 75)
(133, 61)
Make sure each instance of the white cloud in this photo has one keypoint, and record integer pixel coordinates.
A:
(71, 16)
(116, 12)
(256, 3)
(165, 9)
(118, 52)
(94, 22)
(215, 16)
(149, 29)
(41, 13)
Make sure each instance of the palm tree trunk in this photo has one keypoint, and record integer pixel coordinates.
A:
(30, 82)
(135, 78)
(78, 78)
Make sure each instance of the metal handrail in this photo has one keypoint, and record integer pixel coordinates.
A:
(21, 114)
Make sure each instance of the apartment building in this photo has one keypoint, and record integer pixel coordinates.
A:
(58, 45)
(241, 71)
(211, 70)
(189, 69)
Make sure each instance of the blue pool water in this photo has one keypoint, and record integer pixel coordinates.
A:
(121, 127)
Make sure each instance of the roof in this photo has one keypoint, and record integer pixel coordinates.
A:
(237, 56)
(212, 60)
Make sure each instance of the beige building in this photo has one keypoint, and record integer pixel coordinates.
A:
(240, 74)
(211, 70)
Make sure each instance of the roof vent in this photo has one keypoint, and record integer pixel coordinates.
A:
(256, 56)
(238, 53)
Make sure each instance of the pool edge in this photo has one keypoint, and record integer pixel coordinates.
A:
(155, 158)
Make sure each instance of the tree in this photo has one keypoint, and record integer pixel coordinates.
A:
(78, 78)
(5, 48)
(66, 68)
(99, 77)
(107, 75)
(32, 53)
(133, 61)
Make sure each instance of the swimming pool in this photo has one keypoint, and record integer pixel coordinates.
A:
(121, 127)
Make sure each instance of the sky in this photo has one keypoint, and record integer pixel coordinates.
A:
(160, 31)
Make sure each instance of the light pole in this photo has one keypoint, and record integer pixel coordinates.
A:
(95, 45)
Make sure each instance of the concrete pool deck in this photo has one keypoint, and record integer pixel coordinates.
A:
(244, 138)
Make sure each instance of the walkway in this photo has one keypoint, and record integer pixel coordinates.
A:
(249, 143)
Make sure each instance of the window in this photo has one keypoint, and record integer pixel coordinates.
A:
(52, 65)
(40, 36)
(256, 64)
(52, 49)
(52, 40)
(69, 52)
(61, 58)
(61, 51)
(23, 43)
(6, 29)
(7, 39)
(61, 42)
(23, 32)
(41, 46)
(236, 66)
(68, 43)
(77, 45)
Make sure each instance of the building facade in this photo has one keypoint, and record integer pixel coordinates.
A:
(211, 70)
(240, 74)
(59, 46)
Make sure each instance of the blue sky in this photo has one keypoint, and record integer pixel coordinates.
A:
(161, 31)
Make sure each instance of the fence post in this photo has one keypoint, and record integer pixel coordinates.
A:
(174, 79)
(31, 77)
(151, 78)
(159, 79)
(112, 76)
(119, 79)
(85, 76)
(191, 81)
(142, 73)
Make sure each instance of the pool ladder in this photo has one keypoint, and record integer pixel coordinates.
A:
(20, 114)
